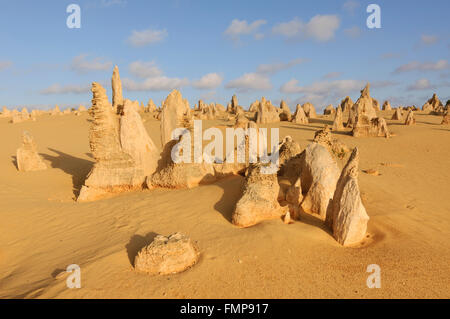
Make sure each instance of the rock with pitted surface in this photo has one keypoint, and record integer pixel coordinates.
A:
(167, 255)
(27, 156)
(410, 120)
(347, 216)
(300, 116)
(310, 111)
(338, 124)
(398, 116)
(114, 170)
(117, 98)
(346, 104)
(387, 106)
(259, 199)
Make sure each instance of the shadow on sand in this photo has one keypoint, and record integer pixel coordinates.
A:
(232, 192)
(136, 243)
(78, 168)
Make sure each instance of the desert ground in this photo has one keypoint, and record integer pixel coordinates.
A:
(43, 229)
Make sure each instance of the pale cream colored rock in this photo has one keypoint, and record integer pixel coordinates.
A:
(135, 141)
(376, 104)
(5, 112)
(329, 110)
(241, 122)
(82, 108)
(387, 106)
(346, 104)
(55, 111)
(287, 218)
(116, 84)
(347, 214)
(114, 170)
(266, 113)
(338, 120)
(294, 197)
(365, 104)
(446, 118)
(285, 112)
(259, 199)
(376, 127)
(410, 120)
(319, 175)
(310, 111)
(433, 105)
(254, 106)
(397, 114)
(175, 114)
(325, 138)
(151, 106)
(167, 255)
(27, 157)
(300, 116)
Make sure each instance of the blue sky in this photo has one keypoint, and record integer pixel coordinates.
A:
(299, 51)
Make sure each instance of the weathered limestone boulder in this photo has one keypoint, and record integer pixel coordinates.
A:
(346, 104)
(446, 118)
(387, 106)
(300, 116)
(364, 105)
(266, 113)
(347, 216)
(397, 114)
(259, 199)
(287, 149)
(234, 103)
(376, 127)
(114, 170)
(410, 120)
(151, 106)
(329, 110)
(319, 175)
(376, 104)
(433, 105)
(338, 124)
(55, 111)
(241, 121)
(135, 141)
(175, 114)
(5, 112)
(28, 158)
(167, 255)
(254, 106)
(117, 98)
(310, 111)
(351, 117)
(294, 198)
(285, 112)
(334, 146)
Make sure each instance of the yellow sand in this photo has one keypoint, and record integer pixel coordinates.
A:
(42, 229)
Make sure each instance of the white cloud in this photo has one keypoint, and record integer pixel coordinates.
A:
(425, 66)
(242, 27)
(144, 69)
(250, 82)
(80, 64)
(5, 65)
(332, 75)
(159, 83)
(290, 29)
(421, 84)
(351, 6)
(276, 67)
(145, 37)
(353, 32)
(429, 39)
(321, 28)
(66, 89)
(208, 81)
(343, 87)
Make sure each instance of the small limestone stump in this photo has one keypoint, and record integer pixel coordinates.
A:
(175, 114)
(285, 112)
(410, 120)
(398, 116)
(310, 111)
(329, 110)
(376, 127)
(28, 158)
(365, 104)
(387, 106)
(300, 116)
(346, 104)
(347, 215)
(267, 113)
(338, 120)
(167, 255)
(446, 118)
(259, 199)
(117, 98)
